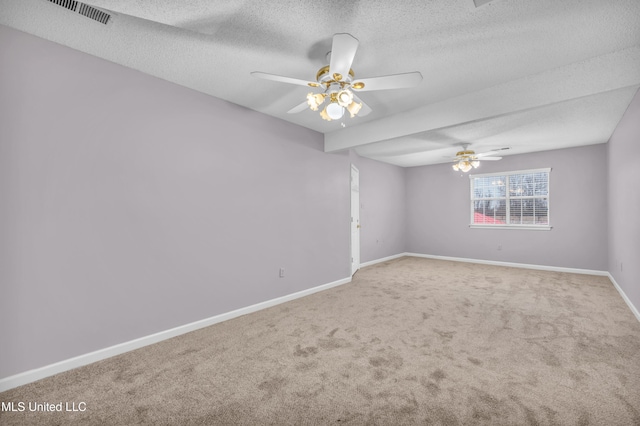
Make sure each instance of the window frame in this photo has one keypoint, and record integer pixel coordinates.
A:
(507, 199)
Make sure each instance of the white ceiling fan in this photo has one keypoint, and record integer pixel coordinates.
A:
(337, 83)
(467, 159)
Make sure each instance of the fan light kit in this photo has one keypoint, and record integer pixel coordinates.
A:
(466, 162)
(338, 83)
(467, 159)
(338, 93)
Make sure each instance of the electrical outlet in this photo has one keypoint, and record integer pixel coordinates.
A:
(281, 272)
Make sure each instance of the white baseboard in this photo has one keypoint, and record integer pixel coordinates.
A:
(514, 265)
(69, 364)
(78, 361)
(624, 297)
(383, 259)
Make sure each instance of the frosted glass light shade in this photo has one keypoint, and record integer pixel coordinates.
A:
(465, 166)
(334, 111)
(315, 100)
(354, 108)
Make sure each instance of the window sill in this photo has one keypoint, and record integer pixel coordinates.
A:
(520, 227)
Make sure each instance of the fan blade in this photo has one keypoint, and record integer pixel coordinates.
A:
(489, 158)
(366, 109)
(493, 151)
(283, 79)
(396, 81)
(343, 51)
(298, 108)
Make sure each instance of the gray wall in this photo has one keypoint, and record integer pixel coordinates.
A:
(382, 208)
(624, 203)
(438, 212)
(131, 205)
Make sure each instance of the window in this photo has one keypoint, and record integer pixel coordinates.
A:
(511, 199)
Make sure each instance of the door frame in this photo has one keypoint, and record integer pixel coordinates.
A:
(354, 223)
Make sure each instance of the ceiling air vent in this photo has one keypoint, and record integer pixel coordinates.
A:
(84, 9)
(93, 13)
(67, 4)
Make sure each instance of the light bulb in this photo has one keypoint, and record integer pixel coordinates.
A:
(344, 98)
(334, 111)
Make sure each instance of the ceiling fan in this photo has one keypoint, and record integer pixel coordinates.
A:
(337, 83)
(467, 159)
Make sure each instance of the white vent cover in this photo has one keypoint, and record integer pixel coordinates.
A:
(84, 9)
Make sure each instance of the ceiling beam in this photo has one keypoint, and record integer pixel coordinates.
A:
(595, 75)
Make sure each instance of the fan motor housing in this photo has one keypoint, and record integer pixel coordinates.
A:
(323, 77)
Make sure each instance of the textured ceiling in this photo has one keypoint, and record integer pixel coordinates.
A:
(530, 75)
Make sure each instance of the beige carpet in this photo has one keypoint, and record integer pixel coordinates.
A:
(410, 341)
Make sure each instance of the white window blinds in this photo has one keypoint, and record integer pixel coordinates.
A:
(511, 199)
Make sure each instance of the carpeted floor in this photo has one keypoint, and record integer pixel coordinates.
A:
(410, 341)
